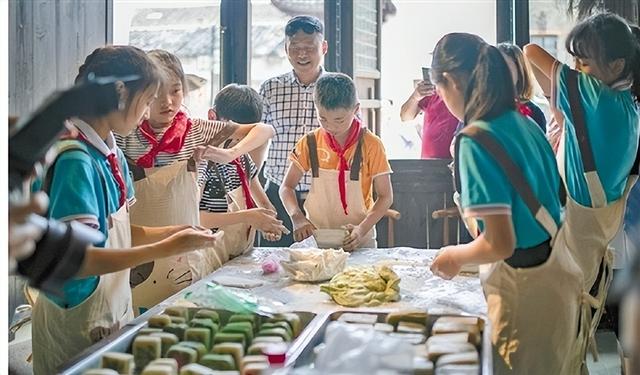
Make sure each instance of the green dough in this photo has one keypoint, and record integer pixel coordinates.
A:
(197, 346)
(279, 332)
(205, 323)
(364, 286)
(177, 319)
(219, 361)
(176, 329)
(159, 321)
(230, 337)
(183, 355)
(145, 349)
(292, 319)
(240, 327)
(202, 335)
(235, 349)
(167, 339)
(283, 325)
(208, 314)
(177, 311)
(120, 362)
(253, 319)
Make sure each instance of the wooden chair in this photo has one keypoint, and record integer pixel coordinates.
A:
(446, 214)
(392, 216)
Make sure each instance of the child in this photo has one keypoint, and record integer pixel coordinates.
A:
(532, 290)
(233, 199)
(167, 187)
(596, 107)
(346, 162)
(524, 84)
(90, 183)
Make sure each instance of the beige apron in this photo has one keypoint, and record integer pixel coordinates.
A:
(166, 196)
(59, 333)
(591, 229)
(538, 315)
(324, 209)
(236, 239)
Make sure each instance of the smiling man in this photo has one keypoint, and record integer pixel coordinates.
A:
(288, 106)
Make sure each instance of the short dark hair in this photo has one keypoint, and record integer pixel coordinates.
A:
(239, 103)
(335, 90)
(308, 24)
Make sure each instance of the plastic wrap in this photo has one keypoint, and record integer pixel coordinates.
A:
(315, 264)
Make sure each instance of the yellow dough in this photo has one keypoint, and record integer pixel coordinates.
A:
(364, 286)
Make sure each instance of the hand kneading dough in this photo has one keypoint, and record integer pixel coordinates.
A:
(364, 286)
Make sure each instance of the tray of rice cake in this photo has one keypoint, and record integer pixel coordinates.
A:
(194, 341)
(442, 343)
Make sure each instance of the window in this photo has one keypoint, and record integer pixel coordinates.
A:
(549, 24)
(190, 30)
(268, 19)
(408, 38)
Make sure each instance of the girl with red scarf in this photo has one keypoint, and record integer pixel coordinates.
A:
(165, 154)
(346, 161)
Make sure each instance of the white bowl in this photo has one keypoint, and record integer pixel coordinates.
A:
(329, 238)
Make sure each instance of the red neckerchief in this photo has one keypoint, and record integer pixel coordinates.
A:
(171, 142)
(244, 180)
(352, 139)
(112, 159)
(524, 109)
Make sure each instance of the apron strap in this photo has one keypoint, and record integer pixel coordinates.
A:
(136, 170)
(312, 144)
(358, 156)
(73, 145)
(514, 175)
(596, 191)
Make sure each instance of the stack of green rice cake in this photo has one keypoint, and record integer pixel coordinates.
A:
(184, 341)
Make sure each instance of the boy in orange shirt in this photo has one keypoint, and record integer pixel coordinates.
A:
(346, 161)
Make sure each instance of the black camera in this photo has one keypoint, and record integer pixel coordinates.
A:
(60, 252)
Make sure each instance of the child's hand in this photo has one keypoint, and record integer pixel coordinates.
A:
(445, 264)
(272, 237)
(215, 154)
(354, 237)
(189, 239)
(265, 220)
(302, 227)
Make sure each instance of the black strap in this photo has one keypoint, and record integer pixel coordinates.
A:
(358, 156)
(312, 144)
(136, 170)
(214, 166)
(579, 123)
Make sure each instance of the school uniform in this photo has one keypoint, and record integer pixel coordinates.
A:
(533, 297)
(341, 190)
(597, 150)
(89, 183)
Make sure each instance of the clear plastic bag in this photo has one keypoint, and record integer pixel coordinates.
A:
(355, 350)
(314, 264)
(217, 296)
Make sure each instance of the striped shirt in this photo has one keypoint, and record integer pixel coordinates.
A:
(289, 108)
(136, 145)
(213, 195)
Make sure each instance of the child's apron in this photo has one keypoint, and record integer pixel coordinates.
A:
(59, 333)
(166, 196)
(591, 229)
(323, 206)
(236, 239)
(538, 316)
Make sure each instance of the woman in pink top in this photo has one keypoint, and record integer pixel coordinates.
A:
(439, 124)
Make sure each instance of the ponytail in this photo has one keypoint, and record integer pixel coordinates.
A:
(490, 90)
(635, 64)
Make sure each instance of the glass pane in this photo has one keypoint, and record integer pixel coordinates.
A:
(188, 29)
(268, 18)
(408, 38)
(549, 25)
(366, 34)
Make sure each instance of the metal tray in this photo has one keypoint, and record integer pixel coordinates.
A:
(304, 352)
(121, 341)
